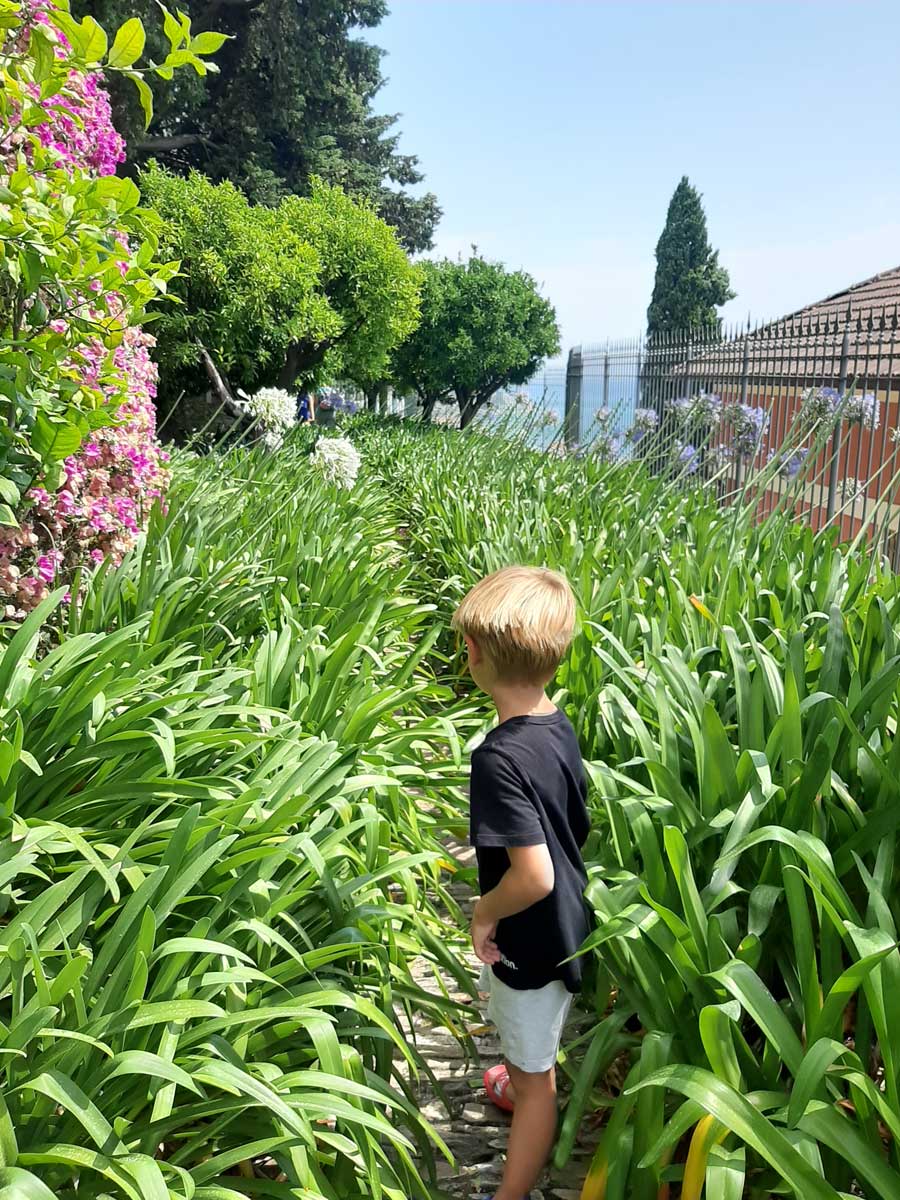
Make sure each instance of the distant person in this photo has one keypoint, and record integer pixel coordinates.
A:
(324, 414)
(306, 408)
(528, 823)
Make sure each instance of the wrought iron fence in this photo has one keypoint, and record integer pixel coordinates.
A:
(769, 381)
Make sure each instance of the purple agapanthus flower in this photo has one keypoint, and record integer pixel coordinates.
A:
(703, 409)
(790, 462)
(646, 420)
(749, 425)
(689, 458)
(819, 406)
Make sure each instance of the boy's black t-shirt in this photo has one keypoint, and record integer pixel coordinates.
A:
(528, 788)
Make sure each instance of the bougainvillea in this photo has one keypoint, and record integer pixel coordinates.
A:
(80, 465)
(107, 491)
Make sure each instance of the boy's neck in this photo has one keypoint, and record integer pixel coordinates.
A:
(521, 700)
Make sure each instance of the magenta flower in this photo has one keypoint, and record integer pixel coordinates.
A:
(109, 486)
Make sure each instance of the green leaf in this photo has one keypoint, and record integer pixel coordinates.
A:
(9, 1149)
(128, 45)
(19, 1184)
(811, 1075)
(756, 999)
(145, 96)
(172, 28)
(725, 1174)
(208, 43)
(42, 54)
(53, 439)
(826, 1124)
(850, 980)
(95, 41)
(738, 1114)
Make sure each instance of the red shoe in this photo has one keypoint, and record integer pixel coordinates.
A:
(496, 1083)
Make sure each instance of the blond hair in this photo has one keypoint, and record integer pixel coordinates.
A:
(522, 618)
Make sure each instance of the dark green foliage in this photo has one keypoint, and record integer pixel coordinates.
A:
(293, 99)
(690, 285)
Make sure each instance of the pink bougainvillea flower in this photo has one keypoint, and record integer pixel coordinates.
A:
(107, 489)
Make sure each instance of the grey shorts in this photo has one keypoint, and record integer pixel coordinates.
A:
(530, 1023)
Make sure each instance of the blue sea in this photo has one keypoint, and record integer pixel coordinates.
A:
(606, 377)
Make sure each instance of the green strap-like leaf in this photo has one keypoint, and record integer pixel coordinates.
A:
(733, 1110)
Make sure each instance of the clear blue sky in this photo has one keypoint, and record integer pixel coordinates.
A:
(554, 132)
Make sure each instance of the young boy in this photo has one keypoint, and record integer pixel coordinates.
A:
(528, 824)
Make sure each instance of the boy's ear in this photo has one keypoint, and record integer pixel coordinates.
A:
(474, 650)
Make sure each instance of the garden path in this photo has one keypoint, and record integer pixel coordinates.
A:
(474, 1130)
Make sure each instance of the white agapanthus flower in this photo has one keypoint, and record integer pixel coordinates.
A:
(338, 460)
(850, 488)
(863, 410)
(276, 412)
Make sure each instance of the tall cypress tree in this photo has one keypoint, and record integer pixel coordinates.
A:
(690, 285)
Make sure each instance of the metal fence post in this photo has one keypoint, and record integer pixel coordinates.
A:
(745, 389)
(836, 437)
(745, 369)
(606, 377)
(574, 376)
(688, 359)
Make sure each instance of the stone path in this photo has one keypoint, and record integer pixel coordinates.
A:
(473, 1128)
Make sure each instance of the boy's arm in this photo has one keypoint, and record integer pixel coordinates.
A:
(530, 878)
(502, 816)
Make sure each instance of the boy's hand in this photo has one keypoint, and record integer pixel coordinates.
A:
(483, 931)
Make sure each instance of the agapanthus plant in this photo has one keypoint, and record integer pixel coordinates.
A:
(789, 462)
(337, 460)
(687, 458)
(274, 412)
(646, 421)
(819, 407)
(703, 409)
(863, 410)
(749, 425)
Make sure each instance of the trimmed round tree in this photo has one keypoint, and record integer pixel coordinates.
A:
(483, 328)
(316, 288)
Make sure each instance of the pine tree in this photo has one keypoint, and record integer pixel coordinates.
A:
(690, 285)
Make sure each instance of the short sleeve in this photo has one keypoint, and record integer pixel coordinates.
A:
(501, 813)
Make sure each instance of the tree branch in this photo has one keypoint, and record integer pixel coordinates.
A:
(220, 386)
(177, 141)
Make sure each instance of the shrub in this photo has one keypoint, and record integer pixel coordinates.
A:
(314, 288)
(74, 367)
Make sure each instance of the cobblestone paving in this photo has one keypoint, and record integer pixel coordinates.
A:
(473, 1128)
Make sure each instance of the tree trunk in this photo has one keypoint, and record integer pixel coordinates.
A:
(371, 393)
(468, 407)
(428, 404)
(287, 376)
(221, 387)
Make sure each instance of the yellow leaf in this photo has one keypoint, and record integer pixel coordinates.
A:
(702, 609)
(707, 1133)
(595, 1184)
